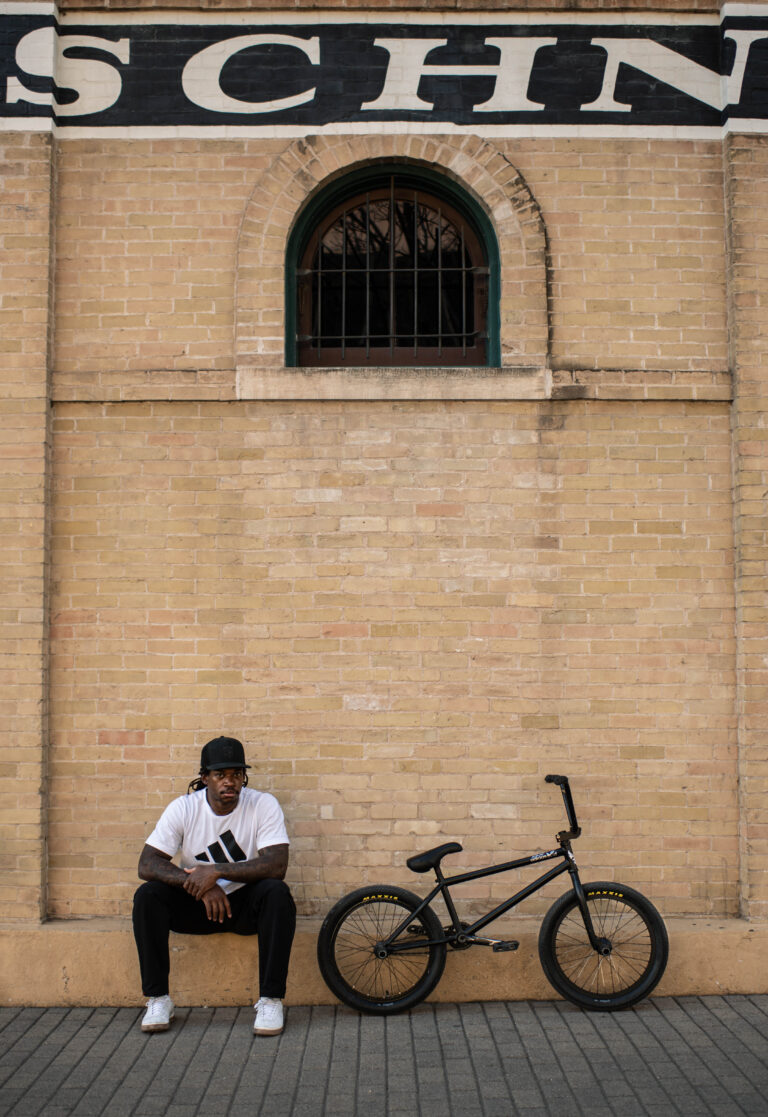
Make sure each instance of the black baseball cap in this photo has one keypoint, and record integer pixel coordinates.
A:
(222, 752)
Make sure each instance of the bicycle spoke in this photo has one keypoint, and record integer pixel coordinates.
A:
(631, 947)
(374, 977)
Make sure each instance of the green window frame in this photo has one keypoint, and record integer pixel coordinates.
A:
(369, 181)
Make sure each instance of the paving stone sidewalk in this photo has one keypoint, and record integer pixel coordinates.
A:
(686, 1055)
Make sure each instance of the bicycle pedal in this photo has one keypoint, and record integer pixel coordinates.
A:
(510, 944)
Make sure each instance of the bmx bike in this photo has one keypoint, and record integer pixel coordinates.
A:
(602, 945)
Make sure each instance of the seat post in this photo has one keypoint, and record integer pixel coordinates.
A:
(447, 900)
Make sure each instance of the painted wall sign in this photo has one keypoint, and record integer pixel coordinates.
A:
(175, 73)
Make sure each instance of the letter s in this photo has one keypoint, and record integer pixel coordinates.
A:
(35, 54)
(97, 84)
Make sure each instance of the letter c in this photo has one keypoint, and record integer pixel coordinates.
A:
(201, 78)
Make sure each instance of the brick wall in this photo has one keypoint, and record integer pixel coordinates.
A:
(411, 613)
(747, 177)
(149, 234)
(25, 253)
(412, 608)
(146, 253)
(637, 252)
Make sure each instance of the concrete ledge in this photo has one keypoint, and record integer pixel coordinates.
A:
(93, 962)
(509, 383)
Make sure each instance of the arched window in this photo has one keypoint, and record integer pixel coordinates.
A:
(392, 268)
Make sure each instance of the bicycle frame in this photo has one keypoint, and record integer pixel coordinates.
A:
(466, 936)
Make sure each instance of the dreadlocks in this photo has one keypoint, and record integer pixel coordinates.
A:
(197, 784)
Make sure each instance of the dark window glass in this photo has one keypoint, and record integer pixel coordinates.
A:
(395, 276)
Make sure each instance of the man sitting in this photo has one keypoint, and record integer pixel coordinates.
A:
(233, 855)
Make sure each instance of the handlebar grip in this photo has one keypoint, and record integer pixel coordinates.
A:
(559, 780)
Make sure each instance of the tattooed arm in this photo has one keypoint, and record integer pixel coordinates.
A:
(270, 864)
(155, 865)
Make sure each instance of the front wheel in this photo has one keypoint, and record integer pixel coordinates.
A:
(635, 940)
(352, 970)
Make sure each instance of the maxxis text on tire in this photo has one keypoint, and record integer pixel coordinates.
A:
(349, 966)
(639, 947)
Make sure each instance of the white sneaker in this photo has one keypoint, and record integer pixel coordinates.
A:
(269, 1017)
(159, 1014)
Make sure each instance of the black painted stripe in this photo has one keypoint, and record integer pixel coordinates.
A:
(233, 848)
(217, 854)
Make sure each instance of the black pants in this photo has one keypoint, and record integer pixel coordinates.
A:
(264, 908)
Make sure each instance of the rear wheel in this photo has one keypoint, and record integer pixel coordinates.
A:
(350, 966)
(635, 947)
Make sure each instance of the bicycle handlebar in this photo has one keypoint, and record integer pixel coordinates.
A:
(570, 810)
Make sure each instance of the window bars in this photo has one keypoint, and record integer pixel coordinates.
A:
(393, 277)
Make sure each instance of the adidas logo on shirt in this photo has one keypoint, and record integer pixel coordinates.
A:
(217, 854)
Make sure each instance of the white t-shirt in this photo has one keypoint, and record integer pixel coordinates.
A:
(190, 828)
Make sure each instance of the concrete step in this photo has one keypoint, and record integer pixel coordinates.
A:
(93, 962)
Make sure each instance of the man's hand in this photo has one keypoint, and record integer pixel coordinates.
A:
(201, 879)
(217, 904)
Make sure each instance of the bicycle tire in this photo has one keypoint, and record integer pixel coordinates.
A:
(351, 970)
(638, 940)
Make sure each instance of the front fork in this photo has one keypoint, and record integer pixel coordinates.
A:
(601, 945)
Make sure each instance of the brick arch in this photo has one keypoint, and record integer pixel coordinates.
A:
(310, 164)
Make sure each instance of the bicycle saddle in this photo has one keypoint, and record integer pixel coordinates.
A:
(423, 862)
